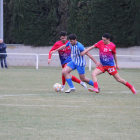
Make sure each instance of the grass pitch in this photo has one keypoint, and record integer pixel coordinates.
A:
(31, 110)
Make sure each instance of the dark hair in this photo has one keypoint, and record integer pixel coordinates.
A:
(72, 37)
(63, 33)
(106, 35)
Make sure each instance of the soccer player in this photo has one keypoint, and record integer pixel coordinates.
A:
(107, 53)
(65, 57)
(78, 62)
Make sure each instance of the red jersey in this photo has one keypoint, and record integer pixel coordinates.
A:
(64, 55)
(106, 52)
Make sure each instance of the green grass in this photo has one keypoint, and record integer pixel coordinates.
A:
(31, 110)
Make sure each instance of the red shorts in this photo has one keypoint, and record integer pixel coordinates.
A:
(63, 66)
(110, 69)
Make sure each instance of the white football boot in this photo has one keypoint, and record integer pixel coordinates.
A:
(63, 87)
(83, 84)
(70, 90)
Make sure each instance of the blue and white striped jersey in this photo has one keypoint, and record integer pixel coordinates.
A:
(75, 54)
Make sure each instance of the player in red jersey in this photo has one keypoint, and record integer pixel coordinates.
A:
(65, 57)
(107, 53)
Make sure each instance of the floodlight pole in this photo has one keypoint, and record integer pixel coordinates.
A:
(1, 19)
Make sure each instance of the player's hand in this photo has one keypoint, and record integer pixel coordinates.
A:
(49, 61)
(98, 64)
(117, 67)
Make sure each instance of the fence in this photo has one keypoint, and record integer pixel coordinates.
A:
(26, 54)
(90, 62)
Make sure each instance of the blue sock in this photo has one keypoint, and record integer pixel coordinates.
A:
(91, 83)
(69, 81)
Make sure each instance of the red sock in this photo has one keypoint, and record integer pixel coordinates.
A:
(63, 80)
(73, 78)
(95, 85)
(128, 85)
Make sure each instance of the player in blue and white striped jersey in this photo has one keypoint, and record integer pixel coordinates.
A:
(78, 62)
(75, 53)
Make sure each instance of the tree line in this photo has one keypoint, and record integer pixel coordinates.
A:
(38, 22)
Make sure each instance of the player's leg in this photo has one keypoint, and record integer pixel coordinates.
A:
(119, 79)
(66, 72)
(94, 74)
(87, 80)
(112, 71)
(81, 71)
(63, 82)
(73, 78)
(63, 78)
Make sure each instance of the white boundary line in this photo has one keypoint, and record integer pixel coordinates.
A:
(18, 105)
(122, 91)
(66, 106)
(60, 92)
(26, 95)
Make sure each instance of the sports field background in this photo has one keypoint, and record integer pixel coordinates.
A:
(31, 110)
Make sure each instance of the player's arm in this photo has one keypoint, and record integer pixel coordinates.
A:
(86, 50)
(116, 61)
(49, 57)
(98, 64)
(61, 48)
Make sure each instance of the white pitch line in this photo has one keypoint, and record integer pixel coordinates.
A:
(38, 105)
(55, 94)
(122, 91)
(25, 95)
(18, 95)
(66, 106)
(116, 107)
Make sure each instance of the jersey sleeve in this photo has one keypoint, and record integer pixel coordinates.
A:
(114, 50)
(81, 48)
(52, 49)
(97, 45)
(68, 43)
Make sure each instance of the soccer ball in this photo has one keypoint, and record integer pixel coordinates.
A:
(57, 87)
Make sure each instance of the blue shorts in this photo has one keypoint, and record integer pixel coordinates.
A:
(80, 69)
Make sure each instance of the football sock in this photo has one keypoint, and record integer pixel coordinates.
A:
(91, 83)
(73, 78)
(63, 80)
(69, 81)
(128, 85)
(95, 85)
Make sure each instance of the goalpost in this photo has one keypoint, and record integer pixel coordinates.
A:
(1, 19)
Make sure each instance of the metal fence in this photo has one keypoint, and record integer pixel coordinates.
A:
(37, 56)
